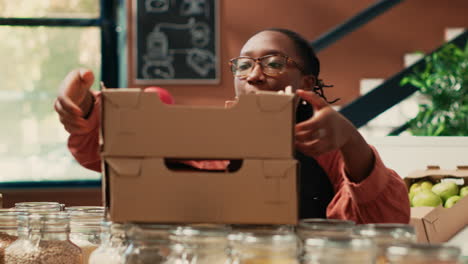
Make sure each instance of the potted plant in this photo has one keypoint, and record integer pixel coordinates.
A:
(444, 82)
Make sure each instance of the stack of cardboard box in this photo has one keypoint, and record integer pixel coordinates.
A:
(140, 136)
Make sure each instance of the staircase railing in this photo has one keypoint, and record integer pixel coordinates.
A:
(388, 94)
(353, 23)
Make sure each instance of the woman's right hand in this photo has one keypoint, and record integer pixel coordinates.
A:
(75, 100)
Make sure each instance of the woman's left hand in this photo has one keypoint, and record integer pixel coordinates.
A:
(326, 130)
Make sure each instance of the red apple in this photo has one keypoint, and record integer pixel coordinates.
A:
(164, 95)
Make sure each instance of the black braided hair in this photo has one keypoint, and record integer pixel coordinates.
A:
(311, 62)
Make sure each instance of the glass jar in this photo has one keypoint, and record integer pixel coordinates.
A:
(343, 250)
(281, 229)
(85, 208)
(43, 238)
(39, 206)
(8, 231)
(113, 245)
(318, 227)
(85, 230)
(385, 234)
(148, 244)
(412, 253)
(199, 245)
(264, 246)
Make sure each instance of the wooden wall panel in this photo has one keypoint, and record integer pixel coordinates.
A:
(374, 51)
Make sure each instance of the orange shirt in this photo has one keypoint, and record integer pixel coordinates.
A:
(381, 198)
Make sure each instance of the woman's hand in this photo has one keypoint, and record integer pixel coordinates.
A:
(74, 101)
(328, 130)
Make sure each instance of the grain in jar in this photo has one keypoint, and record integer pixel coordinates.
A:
(43, 238)
(8, 230)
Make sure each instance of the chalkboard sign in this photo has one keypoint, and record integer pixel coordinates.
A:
(176, 41)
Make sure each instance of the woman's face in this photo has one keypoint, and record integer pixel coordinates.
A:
(266, 43)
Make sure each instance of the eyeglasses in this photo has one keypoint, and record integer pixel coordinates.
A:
(272, 65)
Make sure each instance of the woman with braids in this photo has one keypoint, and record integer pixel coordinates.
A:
(341, 176)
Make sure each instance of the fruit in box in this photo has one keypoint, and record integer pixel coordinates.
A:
(426, 198)
(452, 201)
(445, 189)
(464, 191)
(421, 185)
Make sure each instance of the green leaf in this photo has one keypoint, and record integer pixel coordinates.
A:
(439, 130)
(444, 80)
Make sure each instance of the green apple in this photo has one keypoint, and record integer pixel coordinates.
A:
(411, 195)
(451, 201)
(413, 187)
(464, 191)
(421, 185)
(445, 189)
(426, 198)
(426, 185)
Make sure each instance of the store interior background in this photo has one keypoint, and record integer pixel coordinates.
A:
(375, 50)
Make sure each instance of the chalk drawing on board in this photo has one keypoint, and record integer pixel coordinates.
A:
(195, 8)
(158, 69)
(201, 61)
(158, 61)
(157, 6)
(157, 45)
(200, 34)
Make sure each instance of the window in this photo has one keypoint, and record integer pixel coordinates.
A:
(42, 41)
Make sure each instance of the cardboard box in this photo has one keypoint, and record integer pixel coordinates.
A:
(145, 190)
(139, 133)
(259, 126)
(439, 224)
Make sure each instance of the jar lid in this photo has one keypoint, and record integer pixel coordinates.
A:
(201, 235)
(38, 206)
(43, 222)
(259, 228)
(266, 244)
(278, 239)
(387, 232)
(328, 224)
(85, 208)
(340, 243)
(149, 232)
(86, 220)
